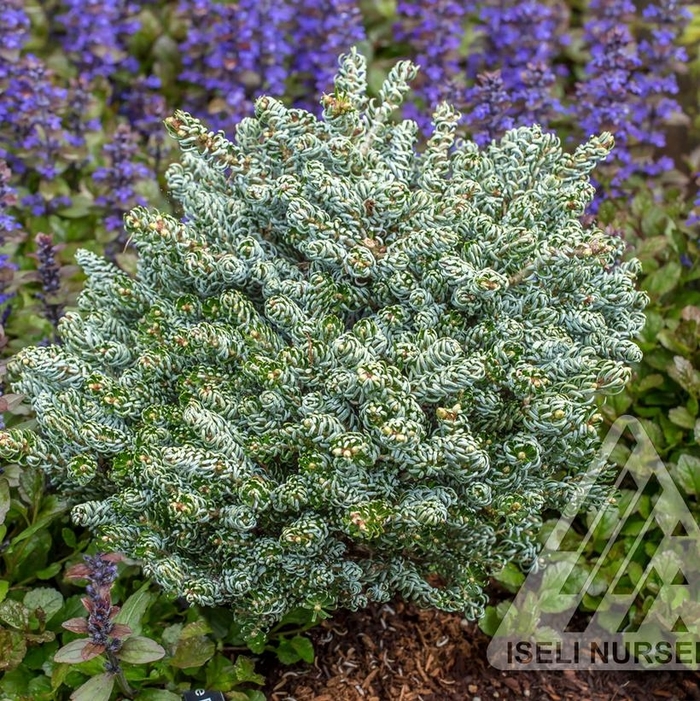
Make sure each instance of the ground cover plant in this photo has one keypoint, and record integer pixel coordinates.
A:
(84, 88)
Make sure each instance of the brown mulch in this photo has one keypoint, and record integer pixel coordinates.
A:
(400, 653)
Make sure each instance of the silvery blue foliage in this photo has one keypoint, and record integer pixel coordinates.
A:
(353, 370)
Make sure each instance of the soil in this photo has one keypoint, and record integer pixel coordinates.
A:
(400, 653)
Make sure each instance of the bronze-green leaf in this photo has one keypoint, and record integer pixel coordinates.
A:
(158, 695)
(77, 651)
(687, 473)
(191, 630)
(663, 280)
(681, 417)
(139, 650)
(98, 688)
(193, 652)
(14, 614)
(134, 609)
(44, 599)
(5, 499)
(13, 647)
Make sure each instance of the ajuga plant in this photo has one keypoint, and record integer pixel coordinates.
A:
(351, 371)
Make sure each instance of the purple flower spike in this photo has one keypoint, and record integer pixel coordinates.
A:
(105, 635)
(96, 35)
(118, 179)
(522, 40)
(231, 53)
(321, 31)
(627, 84)
(31, 108)
(489, 117)
(420, 25)
(15, 27)
(49, 274)
(8, 198)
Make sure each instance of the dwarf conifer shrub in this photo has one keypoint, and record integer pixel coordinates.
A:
(351, 370)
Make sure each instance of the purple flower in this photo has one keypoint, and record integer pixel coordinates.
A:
(48, 268)
(105, 635)
(49, 274)
(118, 178)
(607, 96)
(231, 53)
(603, 97)
(96, 35)
(7, 268)
(434, 31)
(604, 15)
(522, 40)
(694, 217)
(31, 106)
(7, 224)
(660, 56)
(8, 198)
(42, 120)
(516, 34)
(15, 27)
(7, 271)
(39, 206)
(490, 114)
(627, 84)
(534, 94)
(102, 572)
(143, 105)
(321, 31)
(80, 97)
